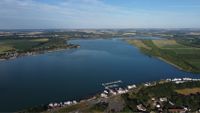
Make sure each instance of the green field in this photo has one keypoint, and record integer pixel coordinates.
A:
(184, 57)
(20, 45)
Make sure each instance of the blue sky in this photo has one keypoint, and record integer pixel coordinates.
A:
(44, 14)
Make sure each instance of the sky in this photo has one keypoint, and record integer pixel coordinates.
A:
(49, 14)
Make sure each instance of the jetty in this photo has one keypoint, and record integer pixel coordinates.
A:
(111, 84)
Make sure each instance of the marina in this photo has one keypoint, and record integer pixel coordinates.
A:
(111, 84)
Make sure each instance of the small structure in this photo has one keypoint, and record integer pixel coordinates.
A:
(158, 106)
(74, 102)
(68, 103)
(187, 79)
(179, 82)
(176, 79)
(164, 99)
(153, 99)
(122, 91)
(103, 95)
(171, 103)
(51, 105)
(55, 104)
(105, 91)
(147, 84)
(131, 86)
(140, 107)
(112, 92)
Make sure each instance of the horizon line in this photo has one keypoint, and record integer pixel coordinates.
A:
(93, 28)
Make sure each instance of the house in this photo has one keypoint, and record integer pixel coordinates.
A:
(176, 79)
(131, 86)
(68, 103)
(103, 95)
(164, 99)
(140, 107)
(105, 91)
(187, 79)
(147, 84)
(55, 104)
(112, 92)
(153, 99)
(179, 82)
(122, 91)
(74, 102)
(51, 105)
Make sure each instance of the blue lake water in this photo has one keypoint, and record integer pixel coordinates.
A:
(77, 73)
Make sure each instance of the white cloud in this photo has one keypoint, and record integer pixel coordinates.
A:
(80, 13)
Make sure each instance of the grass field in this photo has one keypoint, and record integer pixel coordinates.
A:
(188, 91)
(184, 57)
(40, 40)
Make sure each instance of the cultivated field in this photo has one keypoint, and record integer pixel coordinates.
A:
(184, 57)
(188, 91)
(138, 43)
(167, 44)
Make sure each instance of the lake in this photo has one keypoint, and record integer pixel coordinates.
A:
(77, 73)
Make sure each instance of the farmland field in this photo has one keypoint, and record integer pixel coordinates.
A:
(184, 57)
(188, 91)
(167, 44)
(138, 43)
(20, 45)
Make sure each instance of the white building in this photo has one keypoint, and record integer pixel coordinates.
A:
(131, 86)
(163, 99)
(112, 92)
(68, 103)
(105, 91)
(74, 102)
(103, 95)
(51, 105)
(122, 91)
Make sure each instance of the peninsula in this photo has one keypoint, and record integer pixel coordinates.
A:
(17, 44)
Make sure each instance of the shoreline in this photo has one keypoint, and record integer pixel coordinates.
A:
(112, 92)
(34, 53)
(172, 64)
